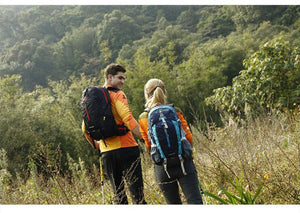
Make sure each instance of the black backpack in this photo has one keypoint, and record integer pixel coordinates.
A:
(97, 114)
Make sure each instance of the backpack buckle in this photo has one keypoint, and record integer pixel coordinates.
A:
(165, 167)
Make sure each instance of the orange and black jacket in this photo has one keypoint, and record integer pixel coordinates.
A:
(123, 115)
(143, 121)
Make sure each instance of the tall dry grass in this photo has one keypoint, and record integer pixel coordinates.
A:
(264, 151)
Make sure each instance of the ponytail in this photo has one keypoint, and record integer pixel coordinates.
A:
(155, 93)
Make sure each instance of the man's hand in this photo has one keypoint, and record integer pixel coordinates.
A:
(136, 132)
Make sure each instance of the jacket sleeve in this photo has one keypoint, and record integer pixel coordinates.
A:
(143, 122)
(123, 110)
(186, 128)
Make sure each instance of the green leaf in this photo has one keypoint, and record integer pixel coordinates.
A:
(231, 196)
(257, 193)
(216, 197)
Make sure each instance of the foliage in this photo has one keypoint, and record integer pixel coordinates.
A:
(265, 152)
(42, 42)
(271, 80)
(215, 21)
(44, 117)
(244, 196)
(118, 29)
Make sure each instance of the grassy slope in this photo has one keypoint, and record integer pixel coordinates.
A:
(265, 152)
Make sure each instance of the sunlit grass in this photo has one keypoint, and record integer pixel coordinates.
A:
(252, 163)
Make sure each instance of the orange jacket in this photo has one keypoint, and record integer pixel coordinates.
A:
(123, 115)
(143, 121)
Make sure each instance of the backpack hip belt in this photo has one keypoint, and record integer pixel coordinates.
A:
(181, 165)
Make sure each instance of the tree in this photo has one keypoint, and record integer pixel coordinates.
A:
(197, 77)
(15, 138)
(188, 19)
(31, 59)
(118, 29)
(271, 80)
(10, 29)
(215, 21)
(45, 117)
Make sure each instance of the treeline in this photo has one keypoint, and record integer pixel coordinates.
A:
(49, 54)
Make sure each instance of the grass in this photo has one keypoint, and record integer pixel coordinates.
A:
(263, 151)
(256, 162)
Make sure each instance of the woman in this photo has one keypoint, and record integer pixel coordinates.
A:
(155, 95)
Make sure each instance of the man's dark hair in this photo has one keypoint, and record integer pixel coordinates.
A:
(113, 69)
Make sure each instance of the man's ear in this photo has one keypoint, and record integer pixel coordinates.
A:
(109, 77)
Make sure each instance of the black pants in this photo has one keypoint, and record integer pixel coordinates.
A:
(188, 183)
(124, 165)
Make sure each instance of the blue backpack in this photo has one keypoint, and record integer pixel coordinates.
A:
(169, 147)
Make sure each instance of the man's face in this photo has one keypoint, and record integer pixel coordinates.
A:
(118, 80)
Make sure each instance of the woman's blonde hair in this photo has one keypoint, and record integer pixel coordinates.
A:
(155, 93)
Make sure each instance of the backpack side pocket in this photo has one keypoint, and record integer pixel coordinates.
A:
(155, 155)
(187, 150)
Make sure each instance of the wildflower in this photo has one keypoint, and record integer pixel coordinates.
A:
(267, 176)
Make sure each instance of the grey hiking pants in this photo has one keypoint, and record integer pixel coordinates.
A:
(188, 183)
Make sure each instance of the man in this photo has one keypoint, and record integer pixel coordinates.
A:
(120, 154)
